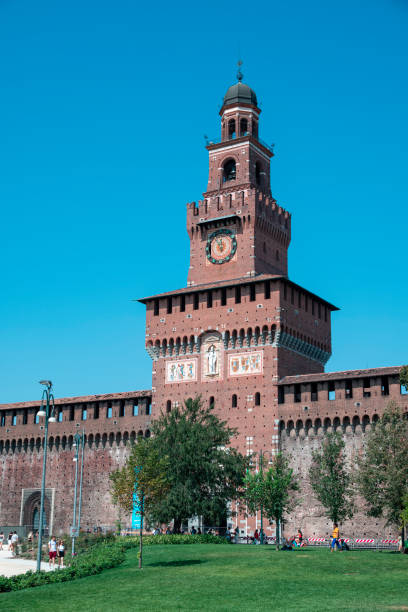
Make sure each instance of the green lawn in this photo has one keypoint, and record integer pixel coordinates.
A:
(215, 577)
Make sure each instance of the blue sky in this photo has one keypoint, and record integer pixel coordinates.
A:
(104, 106)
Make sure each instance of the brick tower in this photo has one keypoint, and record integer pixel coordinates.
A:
(240, 324)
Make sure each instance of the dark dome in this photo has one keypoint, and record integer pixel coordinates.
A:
(240, 93)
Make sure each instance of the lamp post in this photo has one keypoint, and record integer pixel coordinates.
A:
(47, 410)
(261, 471)
(78, 441)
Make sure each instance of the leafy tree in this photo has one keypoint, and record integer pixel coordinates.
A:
(383, 470)
(404, 377)
(330, 479)
(204, 473)
(145, 473)
(271, 491)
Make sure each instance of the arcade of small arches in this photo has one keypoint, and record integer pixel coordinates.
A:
(318, 427)
(243, 338)
(57, 443)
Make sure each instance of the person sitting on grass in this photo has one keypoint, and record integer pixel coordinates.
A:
(286, 544)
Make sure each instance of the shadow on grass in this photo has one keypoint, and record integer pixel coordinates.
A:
(176, 563)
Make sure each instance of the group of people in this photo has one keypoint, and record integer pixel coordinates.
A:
(12, 541)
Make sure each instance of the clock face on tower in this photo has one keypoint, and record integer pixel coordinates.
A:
(221, 246)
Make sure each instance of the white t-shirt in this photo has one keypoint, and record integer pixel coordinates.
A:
(52, 545)
(14, 538)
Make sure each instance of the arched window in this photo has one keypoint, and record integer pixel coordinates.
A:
(229, 171)
(231, 129)
(234, 401)
(258, 170)
(168, 406)
(257, 399)
(243, 130)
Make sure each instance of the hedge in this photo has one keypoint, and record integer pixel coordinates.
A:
(98, 558)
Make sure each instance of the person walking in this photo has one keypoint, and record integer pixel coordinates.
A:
(9, 544)
(1, 540)
(14, 542)
(52, 551)
(335, 538)
(61, 553)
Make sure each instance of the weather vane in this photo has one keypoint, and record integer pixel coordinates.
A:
(239, 73)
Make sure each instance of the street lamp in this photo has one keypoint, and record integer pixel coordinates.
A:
(79, 441)
(47, 410)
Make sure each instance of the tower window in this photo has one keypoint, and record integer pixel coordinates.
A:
(267, 290)
(135, 408)
(252, 293)
(182, 303)
(243, 130)
(258, 170)
(156, 307)
(14, 418)
(297, 394)
(257, 399)
(25, 416)
(122, 408)
(313, 392)
(229, 171)
(223, 297)
(281, 395)
(109, 410)
(385, 389)
(168, 406)
(149, 407)
(234, 401)
(255, 129)
(3, 419)
(349, 389)
(238, 295)
(211, 402)
(72, 413)
(332, 391)
(60, 415)
(169, 305)
(209, 299)
(96, 410)
(366, 387)
(196, 301)
(84, 413)
(231, 129)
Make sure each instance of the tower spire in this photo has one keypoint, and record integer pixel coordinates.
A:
(239, 73)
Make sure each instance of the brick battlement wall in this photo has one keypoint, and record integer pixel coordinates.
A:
(109, 422)
(347, 402)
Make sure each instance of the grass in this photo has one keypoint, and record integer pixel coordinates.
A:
(226, 578)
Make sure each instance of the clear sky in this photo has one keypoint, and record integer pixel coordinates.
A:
(103, 110)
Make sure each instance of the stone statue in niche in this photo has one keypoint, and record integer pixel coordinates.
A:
(212, 361)
(211, 350)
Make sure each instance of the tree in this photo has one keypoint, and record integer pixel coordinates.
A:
(383, 470)
(404, 377)
(144, 474)
(205, 473)
(271, 491)
(330, 479)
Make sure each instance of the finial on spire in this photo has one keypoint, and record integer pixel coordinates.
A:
(239, 73)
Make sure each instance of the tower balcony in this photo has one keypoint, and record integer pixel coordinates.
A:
(217, 143)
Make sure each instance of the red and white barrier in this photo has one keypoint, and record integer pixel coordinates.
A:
(363, 541)
(316, 539)
(389, 541)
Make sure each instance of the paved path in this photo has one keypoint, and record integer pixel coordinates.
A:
(10, 566)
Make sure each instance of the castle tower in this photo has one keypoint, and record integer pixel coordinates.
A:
(240, 324)
(238, 222)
